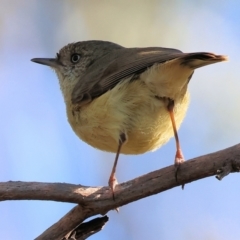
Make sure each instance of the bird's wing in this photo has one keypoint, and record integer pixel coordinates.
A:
(106, 72)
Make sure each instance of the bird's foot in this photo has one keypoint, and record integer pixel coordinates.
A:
(179, 159)
(112, 182)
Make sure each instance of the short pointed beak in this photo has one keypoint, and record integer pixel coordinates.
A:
(51, 62)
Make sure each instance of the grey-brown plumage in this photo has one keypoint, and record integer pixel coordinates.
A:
(126, 100)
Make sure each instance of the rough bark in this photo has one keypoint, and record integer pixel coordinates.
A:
(98, 200)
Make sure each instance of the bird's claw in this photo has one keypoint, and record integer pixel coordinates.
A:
(179, 159)
(112, 182)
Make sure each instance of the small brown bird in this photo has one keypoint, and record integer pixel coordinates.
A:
(126, 100)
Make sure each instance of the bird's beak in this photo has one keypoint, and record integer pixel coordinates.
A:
(51, 62)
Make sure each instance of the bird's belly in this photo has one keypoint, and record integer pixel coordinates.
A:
(134, 111)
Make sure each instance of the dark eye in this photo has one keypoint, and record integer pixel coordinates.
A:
(75, 58)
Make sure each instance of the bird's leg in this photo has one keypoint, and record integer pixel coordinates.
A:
(112, 182)
(179, 158)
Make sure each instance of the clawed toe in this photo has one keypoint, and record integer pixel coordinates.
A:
(179, 159)
(112, 182)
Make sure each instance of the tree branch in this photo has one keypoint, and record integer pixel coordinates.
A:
(87, 229)
(98, 200)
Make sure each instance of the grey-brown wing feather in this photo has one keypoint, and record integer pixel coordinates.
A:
(108, 71)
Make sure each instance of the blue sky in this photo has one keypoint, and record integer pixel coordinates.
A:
(37, 143)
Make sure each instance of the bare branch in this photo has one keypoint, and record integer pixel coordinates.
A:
(98, 200)
(87, 229)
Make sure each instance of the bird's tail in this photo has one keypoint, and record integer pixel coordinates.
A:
(200, 59)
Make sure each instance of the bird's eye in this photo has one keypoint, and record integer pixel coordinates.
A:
(75, 58)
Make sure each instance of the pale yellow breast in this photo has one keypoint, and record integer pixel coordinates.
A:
(131, 108)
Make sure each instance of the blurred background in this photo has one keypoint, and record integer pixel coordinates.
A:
(37, 143)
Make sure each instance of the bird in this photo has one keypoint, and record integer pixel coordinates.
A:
(126, 100)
